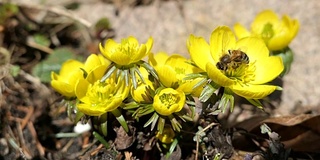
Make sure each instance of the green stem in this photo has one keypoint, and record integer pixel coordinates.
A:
(120, 119)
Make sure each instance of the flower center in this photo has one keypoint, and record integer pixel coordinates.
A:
(168, 99)
(180, 70)
(267, 32)
(180, 73)
(243, 74)
(100, 92)
(127, 48)
(236, 66)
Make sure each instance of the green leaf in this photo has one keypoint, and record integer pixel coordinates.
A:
(131, 105)
(207, 93)
(66, 135)
(72, 6)
(102, 24)
(150, 69)
(161, 123)
(287, 59)
(256, 103)
(104, 124)
(133, 77)
(217, 156)
(7, 10)
(175, 124)
(227, 99)
(14, 70)
(112, 68)
(52, 64)
(78, 116)
(120, 119)
(192, 76)
(41, 39)
(152, 120)
(172, 147)
(101, 139)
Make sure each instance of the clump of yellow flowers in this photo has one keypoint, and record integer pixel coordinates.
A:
(119, 86)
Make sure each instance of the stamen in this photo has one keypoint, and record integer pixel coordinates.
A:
(168, 100)
(99, 92)
(243, 74)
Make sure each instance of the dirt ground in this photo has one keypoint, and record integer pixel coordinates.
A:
(169, 22)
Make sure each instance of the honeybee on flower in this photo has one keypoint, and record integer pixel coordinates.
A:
(249, 76)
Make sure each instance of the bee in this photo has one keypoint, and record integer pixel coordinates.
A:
(233, 59)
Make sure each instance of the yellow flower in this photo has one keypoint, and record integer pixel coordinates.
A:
(64, 82)
(169, 101)
(141, 93)
(127, 52)
(277, 33)
(242, 66)
(167, 136)
(73, 70)
(172, 71)
(95, 67)
(97, 98)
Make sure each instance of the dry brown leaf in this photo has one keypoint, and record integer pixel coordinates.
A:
(299, 132)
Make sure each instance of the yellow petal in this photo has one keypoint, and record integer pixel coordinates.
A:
(217, 76)
(81, 88)
(255, 48)
(68, 66)
(142, 52)
(176, 60)
(253, 91)
(122, 89)
(65, 84)
(294, 28)
(109, 48)
(169, 101)
(167, 136)
(103, 60)
(284, 33)
(158, 59)
(199, 51)
(143, 49)
(96, 73)
(92, 61)
(280, 40)
(132, 41)
(241, 31)
(187, 87)
(267, 69)
(222, 39)
(167, 75)
(180, 65)
(263, 18)
(121, 58)
(149, 45)
(63, 88)
(141, 90)
(98, 110)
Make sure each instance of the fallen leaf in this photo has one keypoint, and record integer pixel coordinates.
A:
(298, 132)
